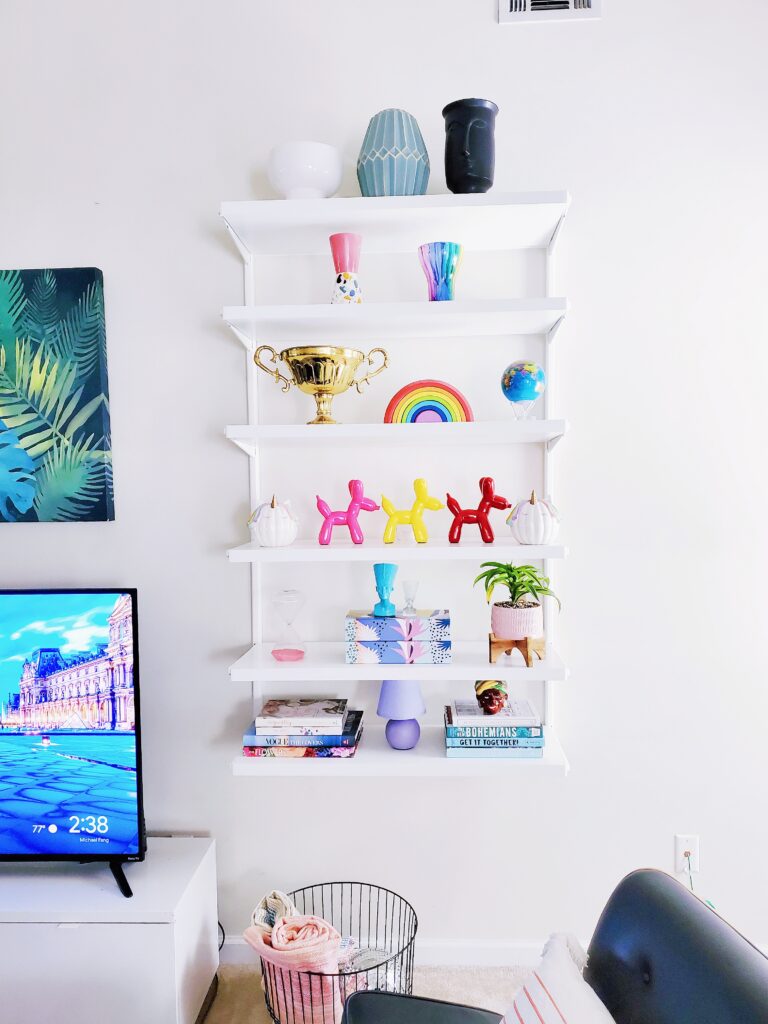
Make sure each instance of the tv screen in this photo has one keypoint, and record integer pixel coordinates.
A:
(70, 755)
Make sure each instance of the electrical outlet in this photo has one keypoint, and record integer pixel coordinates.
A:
(683, 844)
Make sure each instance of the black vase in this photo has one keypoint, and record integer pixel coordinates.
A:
(470, 147)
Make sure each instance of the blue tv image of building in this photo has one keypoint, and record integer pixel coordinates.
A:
(68, 755)
(85, 691)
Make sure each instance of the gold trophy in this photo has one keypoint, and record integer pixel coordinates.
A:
(321, 371)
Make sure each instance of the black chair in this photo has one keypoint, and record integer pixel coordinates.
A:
(661, 956)
(658, 956)
(389, 1008)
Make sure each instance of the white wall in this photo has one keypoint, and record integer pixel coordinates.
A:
(123, 126)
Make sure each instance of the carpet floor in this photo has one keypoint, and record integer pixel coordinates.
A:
(240, 1000)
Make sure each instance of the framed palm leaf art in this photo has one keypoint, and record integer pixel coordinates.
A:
(55, 444)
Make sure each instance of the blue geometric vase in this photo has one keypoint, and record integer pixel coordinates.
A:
(393, 159)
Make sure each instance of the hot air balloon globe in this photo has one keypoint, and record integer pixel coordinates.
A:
(523, 383)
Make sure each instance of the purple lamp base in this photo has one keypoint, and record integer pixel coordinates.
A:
(402, 733)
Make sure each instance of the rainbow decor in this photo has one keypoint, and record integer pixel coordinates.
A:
(428, 401)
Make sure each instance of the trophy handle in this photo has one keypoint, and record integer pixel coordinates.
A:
(279, 378)
(372, 373)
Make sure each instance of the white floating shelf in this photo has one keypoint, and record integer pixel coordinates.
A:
(324, 663)
(343, 550)
(376, 758)
(388, 321)
(490, 221)
(488, 432)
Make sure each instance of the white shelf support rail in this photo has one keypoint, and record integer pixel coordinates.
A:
(550, 401)
(254, 462)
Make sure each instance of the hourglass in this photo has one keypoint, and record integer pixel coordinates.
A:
(287, 604)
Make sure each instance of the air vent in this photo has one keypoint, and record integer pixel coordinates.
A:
(511, 11)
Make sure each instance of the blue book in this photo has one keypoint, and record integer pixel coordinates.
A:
(495, 732)
(516, 752)
(494, 743)
(347, 738)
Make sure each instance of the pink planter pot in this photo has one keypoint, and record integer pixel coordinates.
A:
(517, 623)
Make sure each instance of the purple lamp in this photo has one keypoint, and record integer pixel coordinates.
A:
(400, 701)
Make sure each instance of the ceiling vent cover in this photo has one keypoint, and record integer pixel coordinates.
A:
(511, 11)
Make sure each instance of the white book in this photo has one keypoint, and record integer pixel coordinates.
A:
(514, 712)
(298, 729)
(309, 712)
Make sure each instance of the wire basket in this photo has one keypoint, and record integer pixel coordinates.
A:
(378, 930)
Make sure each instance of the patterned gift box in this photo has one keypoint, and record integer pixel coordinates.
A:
(398, 652)
(423, 627)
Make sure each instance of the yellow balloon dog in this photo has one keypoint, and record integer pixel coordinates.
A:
(413, 516)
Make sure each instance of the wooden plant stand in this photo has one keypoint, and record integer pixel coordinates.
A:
(528, 647)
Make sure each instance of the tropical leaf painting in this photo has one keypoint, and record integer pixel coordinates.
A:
(17, 482)
(55, 446)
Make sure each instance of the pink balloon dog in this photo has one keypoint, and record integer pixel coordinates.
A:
(348, 518)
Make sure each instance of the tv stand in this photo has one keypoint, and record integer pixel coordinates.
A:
(65, 916)
(116, 867)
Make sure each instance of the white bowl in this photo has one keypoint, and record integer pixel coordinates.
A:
(304, 170)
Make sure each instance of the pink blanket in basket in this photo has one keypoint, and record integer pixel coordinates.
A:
(295, 956)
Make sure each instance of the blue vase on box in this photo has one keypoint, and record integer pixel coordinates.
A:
(393, 159)
(385, 573)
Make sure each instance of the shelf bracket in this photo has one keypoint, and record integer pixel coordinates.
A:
(555, 236)
(244, 446)
(244, 339)
(552, 332)
(242, 248)
(549, 273)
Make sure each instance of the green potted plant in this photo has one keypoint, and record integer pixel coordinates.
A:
(522, 615)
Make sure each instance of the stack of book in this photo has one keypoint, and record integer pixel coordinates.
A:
(422, 638)
(304, 727)
(515, 731)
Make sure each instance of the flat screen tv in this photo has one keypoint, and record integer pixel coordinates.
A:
(70, 743)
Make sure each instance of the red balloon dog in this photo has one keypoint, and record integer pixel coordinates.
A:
(479, 515)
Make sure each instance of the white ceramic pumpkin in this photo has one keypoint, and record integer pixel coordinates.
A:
(274, 524)
(534, 521)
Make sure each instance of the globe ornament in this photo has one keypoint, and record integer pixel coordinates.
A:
(523, 383)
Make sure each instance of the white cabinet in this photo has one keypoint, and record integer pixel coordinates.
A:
(73, 949)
